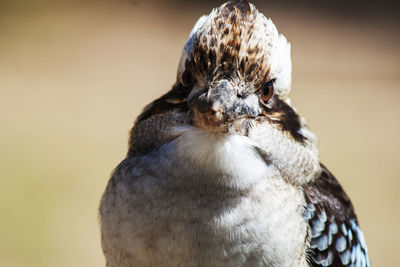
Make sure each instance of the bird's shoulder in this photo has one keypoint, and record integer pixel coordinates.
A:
(153, 126)
(336, 239)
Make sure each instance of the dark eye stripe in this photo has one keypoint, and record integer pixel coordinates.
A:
(284, 116)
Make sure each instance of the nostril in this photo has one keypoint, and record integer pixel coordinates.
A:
(239, 95)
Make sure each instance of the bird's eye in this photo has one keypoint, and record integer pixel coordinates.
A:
(267, 92)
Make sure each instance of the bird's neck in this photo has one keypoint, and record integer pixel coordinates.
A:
(232, 159)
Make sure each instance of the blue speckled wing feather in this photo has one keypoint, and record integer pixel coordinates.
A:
(336, 237)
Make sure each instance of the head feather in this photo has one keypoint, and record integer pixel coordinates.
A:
(237, 41)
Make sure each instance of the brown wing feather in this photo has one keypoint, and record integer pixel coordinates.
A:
(336, 238)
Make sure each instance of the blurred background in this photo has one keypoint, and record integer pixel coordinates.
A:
(75, 74)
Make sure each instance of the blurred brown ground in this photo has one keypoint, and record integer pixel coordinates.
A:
(74, 75)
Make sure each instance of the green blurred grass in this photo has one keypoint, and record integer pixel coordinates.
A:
(74, 76)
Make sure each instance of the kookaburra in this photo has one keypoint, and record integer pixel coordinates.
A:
(221, 170)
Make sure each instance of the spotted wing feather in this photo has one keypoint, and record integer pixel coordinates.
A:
(336, 237)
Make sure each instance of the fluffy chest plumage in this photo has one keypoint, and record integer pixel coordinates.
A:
(203, 200)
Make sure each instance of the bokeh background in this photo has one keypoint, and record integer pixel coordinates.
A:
(75, 74)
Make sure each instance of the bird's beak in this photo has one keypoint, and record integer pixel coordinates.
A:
(211, 105)
(218, 104)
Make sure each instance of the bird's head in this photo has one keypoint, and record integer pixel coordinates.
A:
(237, 66)
(233, 81)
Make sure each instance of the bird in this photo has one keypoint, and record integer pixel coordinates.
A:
(222, 170)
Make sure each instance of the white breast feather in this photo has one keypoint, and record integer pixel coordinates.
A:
(230, 154)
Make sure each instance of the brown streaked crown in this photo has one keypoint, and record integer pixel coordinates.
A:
(228, 46)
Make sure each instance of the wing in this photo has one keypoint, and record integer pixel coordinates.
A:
(336, 238)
